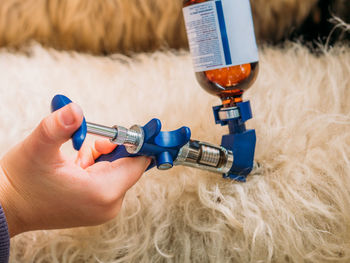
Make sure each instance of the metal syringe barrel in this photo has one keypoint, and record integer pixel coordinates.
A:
(205, 156)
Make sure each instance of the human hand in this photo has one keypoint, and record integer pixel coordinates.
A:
(40, 188)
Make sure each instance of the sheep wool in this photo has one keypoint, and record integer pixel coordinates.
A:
(295, 207)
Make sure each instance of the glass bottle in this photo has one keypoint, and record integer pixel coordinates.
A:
(227, 82)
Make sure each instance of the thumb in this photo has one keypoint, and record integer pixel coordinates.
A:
(54, 130)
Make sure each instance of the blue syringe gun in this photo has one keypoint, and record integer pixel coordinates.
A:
(165, 148)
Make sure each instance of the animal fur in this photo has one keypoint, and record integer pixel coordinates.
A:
(295, 208)
(320, 25)
(107, 26)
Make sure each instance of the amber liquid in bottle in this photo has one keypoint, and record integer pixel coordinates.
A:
(228, 83)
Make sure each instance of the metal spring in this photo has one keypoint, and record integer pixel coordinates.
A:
(210, 156)
(193, 155)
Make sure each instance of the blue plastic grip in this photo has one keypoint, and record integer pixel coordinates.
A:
(58, 102)
(118, 153)
(162, 147)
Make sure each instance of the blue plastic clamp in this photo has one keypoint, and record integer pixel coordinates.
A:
(240, 141)
(244, 110)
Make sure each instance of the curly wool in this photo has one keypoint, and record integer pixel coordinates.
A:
(294, 208)
(106, 26)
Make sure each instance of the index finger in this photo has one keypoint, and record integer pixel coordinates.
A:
(104, 146)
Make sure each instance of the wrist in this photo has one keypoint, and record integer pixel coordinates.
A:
(7, 201)
(4, 238)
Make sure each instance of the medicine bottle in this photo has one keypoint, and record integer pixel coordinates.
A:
(223, 46)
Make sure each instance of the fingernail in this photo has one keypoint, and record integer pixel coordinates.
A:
(147, 161)
(68, 115)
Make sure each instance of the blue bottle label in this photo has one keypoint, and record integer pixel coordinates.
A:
(220, 34)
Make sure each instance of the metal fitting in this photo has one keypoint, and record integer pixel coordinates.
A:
(229, 113)
(131, 138)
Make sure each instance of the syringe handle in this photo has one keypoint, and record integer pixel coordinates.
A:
(59, 101)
